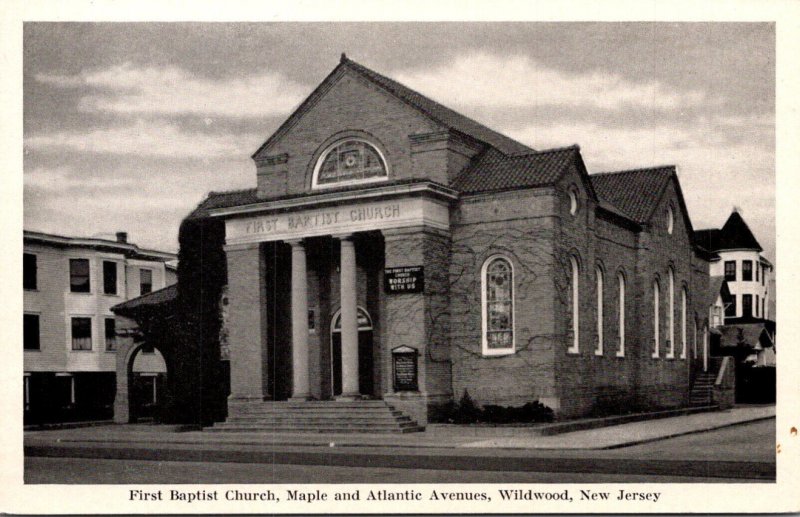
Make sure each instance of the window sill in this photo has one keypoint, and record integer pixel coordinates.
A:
(571, 351)
(30, 290)
(619, 356)
(81, 293)
(82, 350)
(31, 349)
(498, 353)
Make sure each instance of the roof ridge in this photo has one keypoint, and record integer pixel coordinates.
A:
(392, 84)
(628, 171)
(234, 191)
(545, 151)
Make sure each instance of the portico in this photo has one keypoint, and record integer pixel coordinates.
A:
(325, 255)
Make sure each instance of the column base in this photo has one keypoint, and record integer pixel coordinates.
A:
(346, 397)
(300, 398)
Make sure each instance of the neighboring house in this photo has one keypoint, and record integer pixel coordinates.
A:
(70, 285)
(748, 330)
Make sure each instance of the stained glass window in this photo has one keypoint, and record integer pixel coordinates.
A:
(351, 160)
(499, 304)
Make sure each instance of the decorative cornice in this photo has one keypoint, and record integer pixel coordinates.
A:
(275, 159)
(327, 198)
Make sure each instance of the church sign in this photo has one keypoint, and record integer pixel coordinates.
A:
(404, 367)
(398, 280)
(345, 218)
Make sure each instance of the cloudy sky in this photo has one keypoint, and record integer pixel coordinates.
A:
(129, 126)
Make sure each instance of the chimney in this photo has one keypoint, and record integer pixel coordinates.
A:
(122, 237)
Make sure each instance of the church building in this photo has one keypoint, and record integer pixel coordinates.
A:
(396, 252)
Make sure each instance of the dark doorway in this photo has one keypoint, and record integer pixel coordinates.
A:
(366, 385)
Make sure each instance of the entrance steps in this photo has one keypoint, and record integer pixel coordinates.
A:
(316, 416)
(702, 390)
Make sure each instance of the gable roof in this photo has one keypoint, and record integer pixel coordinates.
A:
(493, 170)
(150, 300)
(432, 109)
(635, 192)
(734, 234)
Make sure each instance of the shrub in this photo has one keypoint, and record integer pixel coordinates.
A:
(466, 411)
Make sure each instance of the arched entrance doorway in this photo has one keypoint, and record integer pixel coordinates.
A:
(366, 384)
(141, 383)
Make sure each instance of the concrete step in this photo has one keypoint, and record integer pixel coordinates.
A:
(317, 419)
(357, 428)
(313, 403)
(313, 410)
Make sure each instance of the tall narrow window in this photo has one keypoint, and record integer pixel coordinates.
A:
(656, 319)
(730, 270)
(621, 314)
(109, 277)
(111, 334)
(758, 271)
(29, 271)
(671, 315)
(763, 275)
(683, 323)
(747, 305)
(498, 306)
(145, 281)
(599, 275)
(758, 302)
(574, 305)
(763, 314)
(81, 333)
(79, 276)
(747, 270)
(694, 337)
(30, 326)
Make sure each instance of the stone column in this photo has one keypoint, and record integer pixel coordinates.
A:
(247, 323)
(349, 318)
(300, 390)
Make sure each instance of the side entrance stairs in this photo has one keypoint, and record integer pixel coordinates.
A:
(358, 416)
(702, 390)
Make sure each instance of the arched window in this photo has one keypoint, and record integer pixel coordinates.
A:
(683, 323)
(497, 300)
(670, 220)
(349, 162)
(574, 305)
(599, 276)
(671, 314)
(621, 314)
(656, 319)
(573, 200)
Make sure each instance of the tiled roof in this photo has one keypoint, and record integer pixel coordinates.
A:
(225, 200)
(438, 112)
(165, 295)
(494, 170)
(634, 192)
(734, 234)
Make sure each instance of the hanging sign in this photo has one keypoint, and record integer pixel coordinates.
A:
(409, 279)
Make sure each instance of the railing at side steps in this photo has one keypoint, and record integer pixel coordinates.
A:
(724, 392)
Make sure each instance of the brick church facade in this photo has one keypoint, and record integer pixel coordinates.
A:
(394, 249)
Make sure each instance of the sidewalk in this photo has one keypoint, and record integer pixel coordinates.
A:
(440, 437)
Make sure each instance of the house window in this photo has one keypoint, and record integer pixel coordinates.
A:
(758, 301)
(730, 270)
(763, 313)
(574, 305)
(145, 281)
(349, 162)
(671, 315)
(730, 308)
(758, 269)
(747, 270)
(747, 305)
(763, 275)
(111, 334)
(621, 314)
(81, 333)
(109, 277)
(29, 271)
(30, 325)
(656, 318)
(79, 276)
(599, 276)
(498, 306)
(684, 295)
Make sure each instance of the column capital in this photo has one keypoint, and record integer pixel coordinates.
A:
(296, 243)
(348, 237)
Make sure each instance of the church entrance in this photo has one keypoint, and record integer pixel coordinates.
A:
(366, 384)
